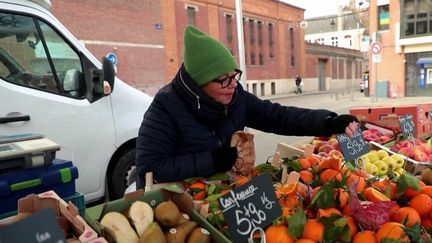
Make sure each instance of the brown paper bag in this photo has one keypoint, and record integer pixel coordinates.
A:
(246, 152)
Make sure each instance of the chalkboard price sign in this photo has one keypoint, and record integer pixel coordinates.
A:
(250, 206)
(407, 125)
(354, 147)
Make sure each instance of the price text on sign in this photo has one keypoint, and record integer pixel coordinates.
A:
(253, 205)
(352, 148)
(407, 125)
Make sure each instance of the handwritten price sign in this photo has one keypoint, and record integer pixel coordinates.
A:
(251, 206)
(352, 148)
(407, 125)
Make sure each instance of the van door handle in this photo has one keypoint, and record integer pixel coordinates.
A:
(17, 118)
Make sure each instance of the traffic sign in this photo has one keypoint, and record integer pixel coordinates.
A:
(376, 58)
(112, 57)
(376, 48)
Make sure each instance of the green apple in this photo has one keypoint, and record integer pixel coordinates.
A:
(382, 154)
(382, 167)
(400, 171)
(372, 156)
(391, 163)
(399, 160)
(371, 169)
(364, 159)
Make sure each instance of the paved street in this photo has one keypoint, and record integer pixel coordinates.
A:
(265, 144)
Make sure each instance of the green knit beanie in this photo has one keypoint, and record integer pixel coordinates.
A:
(205, 58)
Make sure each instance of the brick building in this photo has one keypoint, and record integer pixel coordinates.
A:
(403, 28)
(147, 36)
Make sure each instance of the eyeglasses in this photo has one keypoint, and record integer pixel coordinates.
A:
(225, 82)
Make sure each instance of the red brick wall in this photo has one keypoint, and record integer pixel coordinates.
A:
(130, 24)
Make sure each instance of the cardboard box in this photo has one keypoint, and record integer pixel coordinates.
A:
(73, 225)
(388, 117)
(153, 198)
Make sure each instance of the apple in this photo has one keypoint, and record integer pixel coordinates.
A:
(400, 161)
(400, 171)
(382, 153)
(326, 148)
(333, 141)
(364, 159)
(382, 167)
(323, 155)
(336, 153)
(371, 169)
(391, 163)
(420, 155)
(372, 156)
(319, 144)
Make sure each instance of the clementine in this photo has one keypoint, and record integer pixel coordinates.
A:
(278, 234)
(365, 236)
(422, 203)
(393, 231)
(408, 213)
(330, 174)
(313, 230)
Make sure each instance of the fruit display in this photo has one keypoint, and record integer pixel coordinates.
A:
(416, 149)
(375, 135)
(141, 223)
(333, 201)
(380, 163)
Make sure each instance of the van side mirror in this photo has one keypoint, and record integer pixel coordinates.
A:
(109, 72)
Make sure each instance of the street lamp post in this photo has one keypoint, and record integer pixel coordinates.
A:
(240, 38)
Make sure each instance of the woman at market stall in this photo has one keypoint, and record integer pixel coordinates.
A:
(187, 129)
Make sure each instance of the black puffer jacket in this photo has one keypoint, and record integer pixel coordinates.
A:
(183, 125)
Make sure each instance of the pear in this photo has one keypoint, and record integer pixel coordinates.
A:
(179, 233)
(117, 225)
(199, 235)
(426, 176)
(153, 234)
(141, 215)
(167, 214)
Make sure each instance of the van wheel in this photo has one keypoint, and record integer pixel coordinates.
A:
(121, 175)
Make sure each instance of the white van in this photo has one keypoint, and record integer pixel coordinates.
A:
(51, 84)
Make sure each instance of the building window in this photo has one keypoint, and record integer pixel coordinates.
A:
(416, 18)
(263, 88)
(291, 33)
(270, 34)
(191, 14)
(384, 17)
(252, 41)
(246, 47)
(260, 43)
(334, 41)
(273, 88)
(229, 35)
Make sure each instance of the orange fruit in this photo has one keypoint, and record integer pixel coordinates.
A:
(374, 195)
(411, 214)
(330, 174)
(306, 176)
(427, 190)
(313, 230)
(342, 196)
(347, 211)
(199, 196)
(304, 241)
(410, 193)
(287, 189)
(313, 160)
(366, 236)
(278, 234)
(392, 230)
(352, 225)
(422, 203)
(241, 180)
(328, 212)
(304, 163)
(330, 163)
(357, 182)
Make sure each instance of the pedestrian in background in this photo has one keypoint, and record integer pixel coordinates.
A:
(186, 131)
(298, 82)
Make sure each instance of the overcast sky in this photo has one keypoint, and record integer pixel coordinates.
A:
(316, 8)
